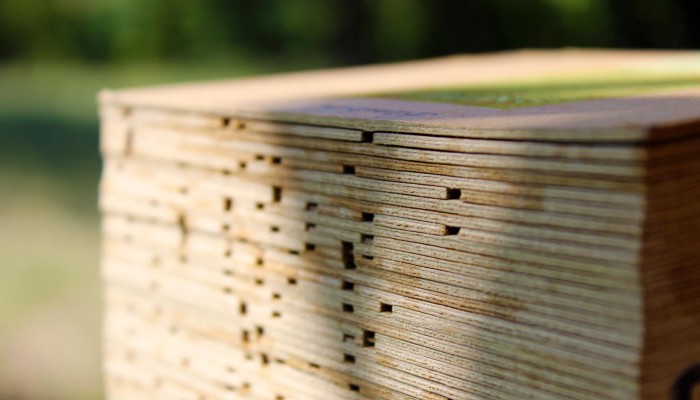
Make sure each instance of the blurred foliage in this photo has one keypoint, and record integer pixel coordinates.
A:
(338, 31)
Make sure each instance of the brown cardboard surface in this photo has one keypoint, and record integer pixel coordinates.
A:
(322, 97)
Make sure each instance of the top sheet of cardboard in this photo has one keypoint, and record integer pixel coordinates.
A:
(564, 95)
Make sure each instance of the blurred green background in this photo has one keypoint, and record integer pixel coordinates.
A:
(55, 55)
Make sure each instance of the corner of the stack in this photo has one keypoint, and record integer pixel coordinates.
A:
(114, 144)
(670, 263)
(104, 145)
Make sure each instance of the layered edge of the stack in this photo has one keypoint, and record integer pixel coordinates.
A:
(278, 261)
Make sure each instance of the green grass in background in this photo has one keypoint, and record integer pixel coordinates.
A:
(68, 90)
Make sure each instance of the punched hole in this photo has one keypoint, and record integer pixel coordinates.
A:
(259, 281)
(367, 239)
(259, 331)
(454, 194)
(684, 385)
(309, 227)
(348, 256)
(292, 281)
(348, 285)
(354, 387)
(314, 366)
(367, 137)
(386, 308)
(310, 247)
(453, 230)
(367, 217)
(243, 308)
(259, 157)
(276, 194)
(260, 206)
(228, 203)
(276, 314)
(276, 296)
(311, 206)
(264, 359)
(368, 339)
(348, 308)
(274, 228)
(276, 160)
(349, 358)
(182, 224)
(348, 169)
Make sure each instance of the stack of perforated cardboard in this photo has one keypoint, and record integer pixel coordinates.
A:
(428, 230)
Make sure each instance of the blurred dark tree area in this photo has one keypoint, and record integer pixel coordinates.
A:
(332, 31)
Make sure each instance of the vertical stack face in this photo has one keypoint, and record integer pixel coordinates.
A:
(248, 259)
(670, 266)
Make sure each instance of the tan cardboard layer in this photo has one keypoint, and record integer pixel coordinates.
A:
(320, 98)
